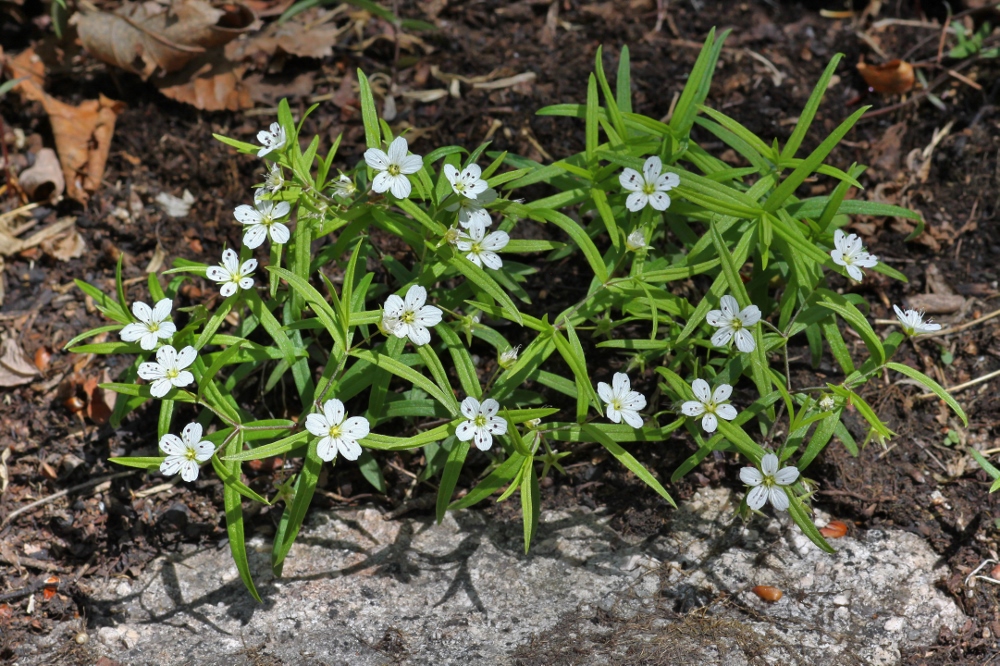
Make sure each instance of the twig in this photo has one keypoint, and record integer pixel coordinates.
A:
(962, 387)
(62, 493)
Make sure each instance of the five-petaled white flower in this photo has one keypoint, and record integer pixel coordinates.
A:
(767, 483)
(152, 325)
(483, 251)
(482, 423)
(344, 187)
(274, 179)
(169, 370)
(733, 323)
(410, 318)
(635, 241)
(849, 253)
(912, 322)
(271, 139)
(623, 402)
(261, 221)
(709, 404)
(472, 212)
(467, 182)
(231, 275)
(184, 453)
(649, 187)
(393, 167)
(337, 433)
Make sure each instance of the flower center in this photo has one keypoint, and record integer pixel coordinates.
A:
(736, 323)
(480, 421)
(172, 373)
(153, 326)
(191, 454)
(393, 170)
(460, 186)
(476, 248)
(335, 431)
(710, 406)
(616, 404)
(648, 188)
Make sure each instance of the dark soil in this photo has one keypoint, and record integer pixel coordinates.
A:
(918, 482)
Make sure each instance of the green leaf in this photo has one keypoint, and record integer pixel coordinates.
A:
(934, 387)
(591, 138)
(148, 462)
(479, 277)
(405, 372)
(500, 476)
(369, 116)
(530, 501)
(457, 452)
(857, 321)
(626, 459)
(800, 514)
(280, 447)
(234, 523)
(809, 112)
(295, 513)
(271, 325)
(579, 235)
(324, 312)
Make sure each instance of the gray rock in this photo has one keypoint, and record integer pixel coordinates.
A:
(358, 590)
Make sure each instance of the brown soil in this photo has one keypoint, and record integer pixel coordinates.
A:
(917, 483)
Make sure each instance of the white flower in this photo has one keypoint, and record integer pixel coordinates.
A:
(274, 180)
(231, 275)
(393, 168)
(827, 403)
(273, 139)
(709, 404)
(410, 318)
(466, 183)
(649, 187)
(152, 325)
(169, 370)
(471, 212)
(344, 187)
(483, 251)
(767, 483)
(623, 402)
(185, 452)
(260, 220)
(509, 357)
(913, 322)
(733, 323)
(337, 434)
(482, 422)
(635, 241)
(850, 254)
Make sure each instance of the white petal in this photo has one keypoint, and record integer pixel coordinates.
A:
(204, 450)
(142, 312)
(838, 257)
(162, 309)
(631, 180)
(189, 470)
(186, 357)
(428, 316)
(376, 159)
(419, 335)
(317, 425)
(727, 412)
(247, 214)
(474, 258)
(470, 408)
(465, 431)
(483, 439)
(636, 201)
(744, 341)
(701, 390)
(217, 274)
(400, 187)
(604, 390)
(451, 173)
(838, 239)
(231, 260)
(716, 318)
(248, 267)
(855, 273)
(191, 434)
(133, 332)
(692, 408)
(394, 306)
(397, 150)
(757, 497)
(166, 329)
(496, 241)
(171, 465)
(667, 181)
(651, 169)
(730, 307)
(356, 427)
(491, 260)
(709, 422)
(496, 425)
(750, 315)
(786, 476)
(326, 449)
(722, 336)
(751, 476)
(348, 448)
(254, 236)
(632, 418)
(620, 383)
(245, 283)
(167, 356)
(382, 182)
(489, 408)
(280, 233)
(151, 371)
(172, 445)
(866, 260)
(659, 200)
(183, 379)
(160, 387)
(411, 164)
(634, 400)
(722, 393)
(779, 499)
(614, 415)
(416, 296)
(333, 411)
(769, 464)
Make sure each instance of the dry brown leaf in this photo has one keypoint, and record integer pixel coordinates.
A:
(936, 303)
(298, 37)
(44, 180)
(67, 245)
(143, 36)
(210, 83)
(265, 8)
(15, 366)
(270, 93)
(10, 244)
(893, 78)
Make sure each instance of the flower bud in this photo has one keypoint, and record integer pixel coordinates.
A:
(826, 403)
(509, 357)
(635, 241)
(344, 187)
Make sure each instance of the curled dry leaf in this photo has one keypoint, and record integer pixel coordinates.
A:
(15, 366)
(82, 133)
(209, 82)
(299, 36)
(67, 245)
(43, 181)
(834, 529)
(143, 36)
(893, 78)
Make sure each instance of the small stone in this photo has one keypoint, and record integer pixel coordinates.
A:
(895, 624)
(109, 636)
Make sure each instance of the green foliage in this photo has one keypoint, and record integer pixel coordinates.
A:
(647, 279)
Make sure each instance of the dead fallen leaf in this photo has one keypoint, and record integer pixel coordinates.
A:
(892, 78)
(936, 303)
(10, 244)
(209, 82)
(299, 36)
(15, 366)
(265, 8)
(270, 93)
(43, 181)
(143, 36)
(82, 133)
(67, 245)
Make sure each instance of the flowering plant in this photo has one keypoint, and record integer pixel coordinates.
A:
(345, 328)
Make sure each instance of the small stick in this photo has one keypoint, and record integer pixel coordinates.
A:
(962, 387)
(62, 493)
